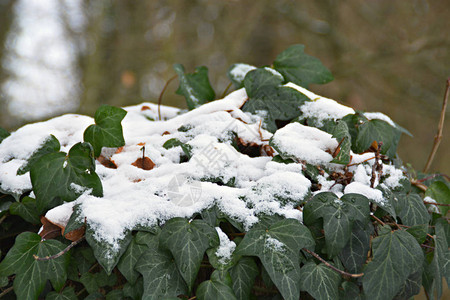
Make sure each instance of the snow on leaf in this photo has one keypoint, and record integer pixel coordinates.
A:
(50, 145)
(236, 73)
(107, 131)
(396, 255)
(440, 192)
(301, 68)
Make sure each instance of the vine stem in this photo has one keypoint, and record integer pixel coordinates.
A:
(438, 137)
(6, 291)
(59, 253)
(437, 204)
(331, 266)
(378, 220)
(226, 90)
(162, 93)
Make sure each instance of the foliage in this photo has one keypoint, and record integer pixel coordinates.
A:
(348, 246)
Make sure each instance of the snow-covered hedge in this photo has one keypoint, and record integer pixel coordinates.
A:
(270, 190)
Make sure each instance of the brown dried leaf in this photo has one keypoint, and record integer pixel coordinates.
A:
(74, 235)
(144, 163)
(50, 230)
(107, 162)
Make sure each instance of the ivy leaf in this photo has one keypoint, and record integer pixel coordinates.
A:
(338, 216)
(236, 73)
(339, 130)
(268, 96)
(129, 259)
(349, 291)
(412, 210)
(320, 281)
(53, 174)
(67, 294)
(354, 254)
(89, 282)
(107, 254)
(3, 134)
(419, 232)
(134, 291)
(195, 87)
(215, 288)
(107, 131)
(161, 276)
(243, 274)
(379, 131)
(188, 241)
(278, 246)
(26, 209)
(50, 145)
(440, 192)
(396, 255)
(301, 68)
(31, 275)
(187, 149)
(411, 287)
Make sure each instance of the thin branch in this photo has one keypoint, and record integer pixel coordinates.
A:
(426, 246)
(6, 291)
(360, 162)
(438, 137)
(162, 93)
(3, 218)
(420, 185)
(437, 204)
(376, 166)
(433, 176)
(338, 148)
(378, 220)
(331, 266)
(226, 90)
(59, 253)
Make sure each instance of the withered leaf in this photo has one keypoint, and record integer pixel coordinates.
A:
(144, 163)
(49, 229)
(107, 162)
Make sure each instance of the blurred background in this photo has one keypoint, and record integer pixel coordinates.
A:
(73, 55)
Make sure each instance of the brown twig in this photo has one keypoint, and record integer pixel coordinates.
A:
(331, 266)
(360, 162)
(6, 291)
(338, 148)
(420, 185)
(59, 253)
(162, 93)
(437, 204)
(438, 137)
(433, 176)
(426, 246)
(378, 220)
(376, 166)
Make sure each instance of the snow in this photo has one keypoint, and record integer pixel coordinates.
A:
(274, 245)
(431, 207)
(248, 186)
(226, 247)
(239, 71)
(305, 143)
(379, 116)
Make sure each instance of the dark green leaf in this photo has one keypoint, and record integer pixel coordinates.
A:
(31, 275)
(396, 255)
(50, 145)
(339, 130)
(115, 295)
(379, 131)
(411, 287)
(107, 131)
(26, 209)
(3, 134)
(319, 281)
(5, 203)
(67, 294)
(89, 282)
(301, 68)
(412, 210)
(278, 247)
(107, 254)
(215, 288)
(354, 254)
(55, 174)
(243, 275)
(128, 260)
(269, 97)
(419, 232)
(440, 192)
(338, 216)
(161, 275)
(135, 291)
(349, 291)
(104, 279)
(188, 241)
(236, 73)
(187, 149)
(195, 87)
(4, 281)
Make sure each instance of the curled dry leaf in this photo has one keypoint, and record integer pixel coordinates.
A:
(144, 163)
(51, 230)
(107, 162)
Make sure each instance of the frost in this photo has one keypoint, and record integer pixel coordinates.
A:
(274, 245)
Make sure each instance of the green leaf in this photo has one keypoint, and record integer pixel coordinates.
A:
(412, 210)
(278, 247)
(440, 192)
(301, 68)
(107, 254)
(31, 275)
(188, 241)
(107, 131)
(67, 294)
(396, 255)
(3, 281)
(339, 130)
(354, 254)
(195, 87)
(50, 145)
(26, 209)
(267, 96)
(349, 291)
(3, 134)
(320, 281)
(53, 176)
(338, 216)
(236, 73)
(187, 149)
(243, 275)
(379, 131)
(129, 259)
(411, 287)
(160, 272)
(5, 203)
(115, 295)
(419, 232)
(135, 291)
(89, 282)
(215, 288)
